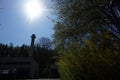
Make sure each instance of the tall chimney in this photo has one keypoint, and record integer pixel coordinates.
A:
(32, 44)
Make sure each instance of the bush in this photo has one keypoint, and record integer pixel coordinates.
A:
(89, 63)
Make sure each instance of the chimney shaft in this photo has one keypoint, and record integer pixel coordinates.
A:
(32, 44)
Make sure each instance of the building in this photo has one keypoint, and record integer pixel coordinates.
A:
(20, 67)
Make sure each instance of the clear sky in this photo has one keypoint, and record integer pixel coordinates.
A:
(17, 28)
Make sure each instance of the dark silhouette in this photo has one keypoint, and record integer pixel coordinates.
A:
(43, 56)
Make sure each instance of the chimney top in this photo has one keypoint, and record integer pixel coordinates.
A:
(33, 36)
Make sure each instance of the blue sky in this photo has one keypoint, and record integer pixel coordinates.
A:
(15, 26)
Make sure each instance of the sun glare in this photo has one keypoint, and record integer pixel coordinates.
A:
(33, 9)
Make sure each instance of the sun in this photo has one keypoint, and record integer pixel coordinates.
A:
(33, 9)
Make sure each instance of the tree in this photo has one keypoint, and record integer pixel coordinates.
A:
(44, 55)
(111, 10)
(75, 19)
(87, 39)
(45, 42)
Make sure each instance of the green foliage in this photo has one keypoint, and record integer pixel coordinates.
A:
(89, 63)
(87, 38)
(79, 18)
